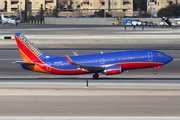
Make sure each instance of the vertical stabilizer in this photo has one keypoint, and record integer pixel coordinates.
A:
(29, 52)
(2, 17)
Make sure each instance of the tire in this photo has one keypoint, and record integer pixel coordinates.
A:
(155, 72)
(95, 76)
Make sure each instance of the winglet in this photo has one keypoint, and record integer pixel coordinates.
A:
(75, 54)
(70, 61)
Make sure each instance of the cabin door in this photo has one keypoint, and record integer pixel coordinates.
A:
(150, 56)
(48, 66)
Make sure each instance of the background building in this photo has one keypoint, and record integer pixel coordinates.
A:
(153, 6)
(2, 5)
(28, 5)
(116, 7)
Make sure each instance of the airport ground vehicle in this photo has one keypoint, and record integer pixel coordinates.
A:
(163, 24)
(150, 23)
(128, 23)
(139, 23)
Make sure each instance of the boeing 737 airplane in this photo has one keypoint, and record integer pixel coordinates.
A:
(107, 63)
(9, 20)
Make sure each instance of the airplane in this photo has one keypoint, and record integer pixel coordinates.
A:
(106, 63)
(9, 20)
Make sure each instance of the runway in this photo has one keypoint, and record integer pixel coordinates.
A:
(132, 93)
(71, 97)
(90, 105)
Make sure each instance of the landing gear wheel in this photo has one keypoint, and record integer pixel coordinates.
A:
(155, 72)
(95, 76)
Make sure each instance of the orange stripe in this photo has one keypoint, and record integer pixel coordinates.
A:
(32, 67)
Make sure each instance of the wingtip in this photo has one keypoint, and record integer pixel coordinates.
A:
(69, 59)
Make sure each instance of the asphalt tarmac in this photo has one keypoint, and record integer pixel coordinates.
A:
(132, 93)
(92, 37)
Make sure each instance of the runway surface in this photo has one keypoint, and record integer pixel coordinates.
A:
(90, 105)
(132, 93)
(92, 37)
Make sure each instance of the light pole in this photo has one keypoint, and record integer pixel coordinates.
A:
(151, 7)
(115, 8)
(112, 7)
(34, 7)
(73, 7)
(104, 8)
(20, 10)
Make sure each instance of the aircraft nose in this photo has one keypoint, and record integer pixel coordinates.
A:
(169, 58)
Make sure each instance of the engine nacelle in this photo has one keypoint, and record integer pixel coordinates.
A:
(115, 69)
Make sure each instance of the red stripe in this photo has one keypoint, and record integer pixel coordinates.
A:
(138, 65)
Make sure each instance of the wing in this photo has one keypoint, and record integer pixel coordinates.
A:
(75, 54)
(23, 63)
(85, 67)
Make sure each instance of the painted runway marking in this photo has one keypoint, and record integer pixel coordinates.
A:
(89, 118)
(10, 59)
(176, 59)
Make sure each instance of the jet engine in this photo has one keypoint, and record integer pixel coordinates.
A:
(115, 69)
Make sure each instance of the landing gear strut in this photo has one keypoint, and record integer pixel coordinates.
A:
(95, 76)
(155, 72)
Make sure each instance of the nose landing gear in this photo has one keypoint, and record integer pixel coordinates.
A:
(155, 72)
(96, 76)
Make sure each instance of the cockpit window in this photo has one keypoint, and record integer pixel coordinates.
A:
(160, 54)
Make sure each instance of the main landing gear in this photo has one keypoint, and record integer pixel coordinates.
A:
(96, 76)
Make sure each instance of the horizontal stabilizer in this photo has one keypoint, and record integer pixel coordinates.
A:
(23, 63)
